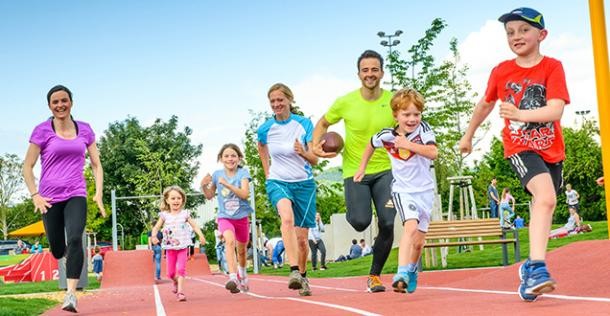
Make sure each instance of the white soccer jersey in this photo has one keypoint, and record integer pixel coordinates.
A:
(279, 136)
(411, 171)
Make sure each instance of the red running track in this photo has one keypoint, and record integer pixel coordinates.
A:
(579, 268)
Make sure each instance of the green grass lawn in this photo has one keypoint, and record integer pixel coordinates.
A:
(39, 287)
(491, 256)
(7, 260)
(24, 307)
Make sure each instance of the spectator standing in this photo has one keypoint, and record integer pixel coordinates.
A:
(572, 197)
(316, 243)
(98, 264)
(492, 195)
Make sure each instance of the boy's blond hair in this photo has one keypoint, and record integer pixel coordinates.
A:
(405, 97)
(164, 206)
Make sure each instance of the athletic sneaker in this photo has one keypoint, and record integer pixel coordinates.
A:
(535, 281)
(399, 282)
(323, 268)
(231, 285)
(294, 280)
(305, 290)
(412, 283)
(374, 284)
(181, 297)
(69, 304)
(243, 284)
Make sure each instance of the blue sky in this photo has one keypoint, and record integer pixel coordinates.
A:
(208, 62)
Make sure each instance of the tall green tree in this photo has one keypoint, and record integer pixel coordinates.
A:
(582, 166)
(11, 182)
(142, 160)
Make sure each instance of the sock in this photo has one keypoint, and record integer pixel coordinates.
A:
(402, 269)
(242, 272)
(233, 276)
(292, 268)
(304, 274)
(412, 267)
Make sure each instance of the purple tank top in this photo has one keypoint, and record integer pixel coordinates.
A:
(62, 161)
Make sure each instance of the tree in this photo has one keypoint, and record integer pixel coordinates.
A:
(448, 94)
(582, 166)
(21, 214)
(11, 182)
(141, 160)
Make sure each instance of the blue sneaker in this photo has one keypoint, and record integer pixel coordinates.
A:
(535, 281)
(523, 275)
(412, 283)
(399, 282)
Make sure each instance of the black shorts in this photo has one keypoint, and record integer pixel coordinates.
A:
(528, 164)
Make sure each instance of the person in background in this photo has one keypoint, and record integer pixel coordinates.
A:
(366, 250)
(519, 222)
(572, 197)
(492, 195)
(98, 264)
(355, 251)
(156, 249)
(316, 243)
(36, 247)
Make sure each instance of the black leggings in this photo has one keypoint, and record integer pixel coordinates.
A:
(63, 220)
(360, 213)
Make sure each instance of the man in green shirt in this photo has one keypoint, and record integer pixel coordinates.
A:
(365, 111)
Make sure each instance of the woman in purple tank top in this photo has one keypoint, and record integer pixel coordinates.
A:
(61, 195)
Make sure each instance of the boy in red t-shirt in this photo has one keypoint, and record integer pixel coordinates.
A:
(532, 93)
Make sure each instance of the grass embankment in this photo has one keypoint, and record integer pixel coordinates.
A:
(12, 301)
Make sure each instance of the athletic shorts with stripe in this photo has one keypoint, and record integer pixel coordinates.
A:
(414, 205)
(302, 194)
(528, 164)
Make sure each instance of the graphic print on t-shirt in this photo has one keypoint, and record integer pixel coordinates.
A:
(400, 153)
(530, 96)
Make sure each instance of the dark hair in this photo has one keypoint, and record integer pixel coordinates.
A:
(361, 240)
(354, 241)
(58, 88)
(235, 148)
(370, 54)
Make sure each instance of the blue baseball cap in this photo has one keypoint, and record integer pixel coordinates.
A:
(528, 15)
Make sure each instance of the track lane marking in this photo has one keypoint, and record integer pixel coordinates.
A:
(158, 303)
(330, 305)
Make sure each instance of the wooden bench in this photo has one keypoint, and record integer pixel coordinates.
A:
(472, 232)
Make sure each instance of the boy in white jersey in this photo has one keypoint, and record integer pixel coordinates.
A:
(411, 146)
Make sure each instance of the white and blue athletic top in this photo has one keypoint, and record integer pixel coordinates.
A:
(411, 171)
(279, 136)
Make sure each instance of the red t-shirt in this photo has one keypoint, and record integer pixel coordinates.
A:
(530, 88)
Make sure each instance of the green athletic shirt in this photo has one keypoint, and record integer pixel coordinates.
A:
(363, 119)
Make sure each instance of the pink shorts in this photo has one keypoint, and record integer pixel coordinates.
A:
(239, 227)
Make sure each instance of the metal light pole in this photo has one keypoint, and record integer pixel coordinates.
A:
(389, 43)
(583, 113)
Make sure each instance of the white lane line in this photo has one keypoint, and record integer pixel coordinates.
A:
(311, 285)
(336, 306)
(440, 288)
(158, 302)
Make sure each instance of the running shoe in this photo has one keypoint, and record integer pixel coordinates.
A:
(304, 290)
(231, 285)
(69, 304)
(374, 284)
(294, 280)
(412, 281)
(399, 282)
